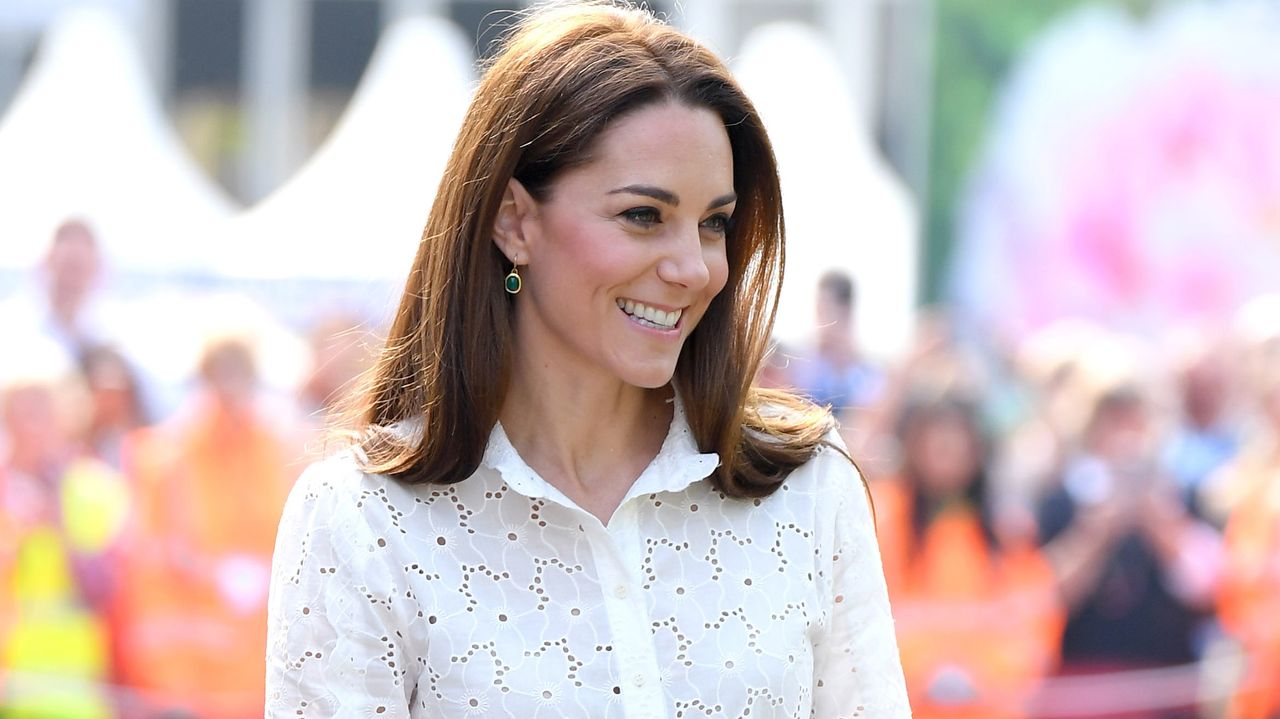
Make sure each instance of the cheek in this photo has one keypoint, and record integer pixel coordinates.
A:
(575, 249)
(717, 262)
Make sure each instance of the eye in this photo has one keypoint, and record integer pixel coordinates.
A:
(718, 223)
(642, 216)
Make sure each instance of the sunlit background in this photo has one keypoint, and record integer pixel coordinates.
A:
(1033, 264)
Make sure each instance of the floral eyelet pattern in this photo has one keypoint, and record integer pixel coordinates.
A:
(497, 596)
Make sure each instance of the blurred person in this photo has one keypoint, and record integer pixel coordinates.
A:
(936, 364)
(62, 301)
(1056, 373)
(1254, 462)
(1249, 599)
(833, 372)
(61, 515)
(212, 482)
(565, 497)
(1206, 435)
(117, 403)
(1136, 571)
(72, 269)
(978, 618)
(61, 304)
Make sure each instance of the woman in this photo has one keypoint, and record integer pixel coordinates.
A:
(978, 617)
(117, 402)
(567, 500)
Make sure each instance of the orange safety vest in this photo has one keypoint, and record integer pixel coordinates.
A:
(977, 629)
(1249, 598)
(192, 612)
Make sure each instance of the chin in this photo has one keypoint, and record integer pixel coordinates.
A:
(650, 378)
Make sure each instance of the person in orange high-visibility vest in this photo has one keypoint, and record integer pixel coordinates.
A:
(211, 485)
(978, 619)
(1249, 594)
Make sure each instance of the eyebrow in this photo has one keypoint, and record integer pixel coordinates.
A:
(670, 198)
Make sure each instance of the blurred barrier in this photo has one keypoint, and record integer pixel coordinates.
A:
(1208, 685)
(1140, 690)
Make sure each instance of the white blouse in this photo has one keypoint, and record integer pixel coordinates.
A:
(500, 597)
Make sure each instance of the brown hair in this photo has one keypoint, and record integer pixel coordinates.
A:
(563, 75)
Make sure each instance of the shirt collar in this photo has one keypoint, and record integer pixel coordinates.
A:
(677, 465)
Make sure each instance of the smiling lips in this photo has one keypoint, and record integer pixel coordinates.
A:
(650, 316)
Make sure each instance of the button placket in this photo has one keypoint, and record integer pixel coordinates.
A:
(628, 614)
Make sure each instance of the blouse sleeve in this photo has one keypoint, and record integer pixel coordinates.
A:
(333, 649)
(857, 672)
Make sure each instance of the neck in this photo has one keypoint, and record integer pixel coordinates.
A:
(589, 438)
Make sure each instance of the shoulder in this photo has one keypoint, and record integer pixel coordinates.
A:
(829, 483)
(335, 492)
(830, 469)
(338, 491)
(334, 480)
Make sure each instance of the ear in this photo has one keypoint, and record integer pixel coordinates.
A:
(513, 230)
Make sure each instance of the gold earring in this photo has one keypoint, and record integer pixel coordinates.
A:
(513, 283)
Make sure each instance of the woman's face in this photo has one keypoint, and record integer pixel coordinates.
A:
(945, 454)
(626, 252)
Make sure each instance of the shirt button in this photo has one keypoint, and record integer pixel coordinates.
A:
(620, 591)
(639, 680)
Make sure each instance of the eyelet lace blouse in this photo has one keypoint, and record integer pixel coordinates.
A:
(500, 597)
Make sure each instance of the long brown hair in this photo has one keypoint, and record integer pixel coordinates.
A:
(564, 73)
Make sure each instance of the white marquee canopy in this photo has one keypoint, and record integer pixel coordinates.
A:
(845, 209)
(86, 136)
(356, 209)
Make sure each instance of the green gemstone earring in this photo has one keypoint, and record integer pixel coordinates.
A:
(513, 283)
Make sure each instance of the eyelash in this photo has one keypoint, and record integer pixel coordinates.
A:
(643, 216)
(647, 216)
(723, 223)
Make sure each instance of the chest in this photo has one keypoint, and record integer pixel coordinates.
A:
(533, 607)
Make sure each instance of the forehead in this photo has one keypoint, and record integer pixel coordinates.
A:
(668, 142)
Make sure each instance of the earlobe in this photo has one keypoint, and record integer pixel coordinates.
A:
(509, 225)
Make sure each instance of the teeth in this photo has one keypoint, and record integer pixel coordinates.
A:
(655, 316)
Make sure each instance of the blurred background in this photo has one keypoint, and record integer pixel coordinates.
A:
(1033, 264)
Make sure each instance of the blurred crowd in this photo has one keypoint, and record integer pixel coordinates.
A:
(1074, 523)
(135, 542)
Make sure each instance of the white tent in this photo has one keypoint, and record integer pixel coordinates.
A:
(845, 209)
(86, 136)
(356, 210)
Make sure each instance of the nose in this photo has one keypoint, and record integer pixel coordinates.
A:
(685, 263)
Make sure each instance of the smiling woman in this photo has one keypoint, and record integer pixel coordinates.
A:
(566, 497)
(615, 232)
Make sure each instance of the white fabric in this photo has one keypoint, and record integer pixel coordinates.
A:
(498, 596)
